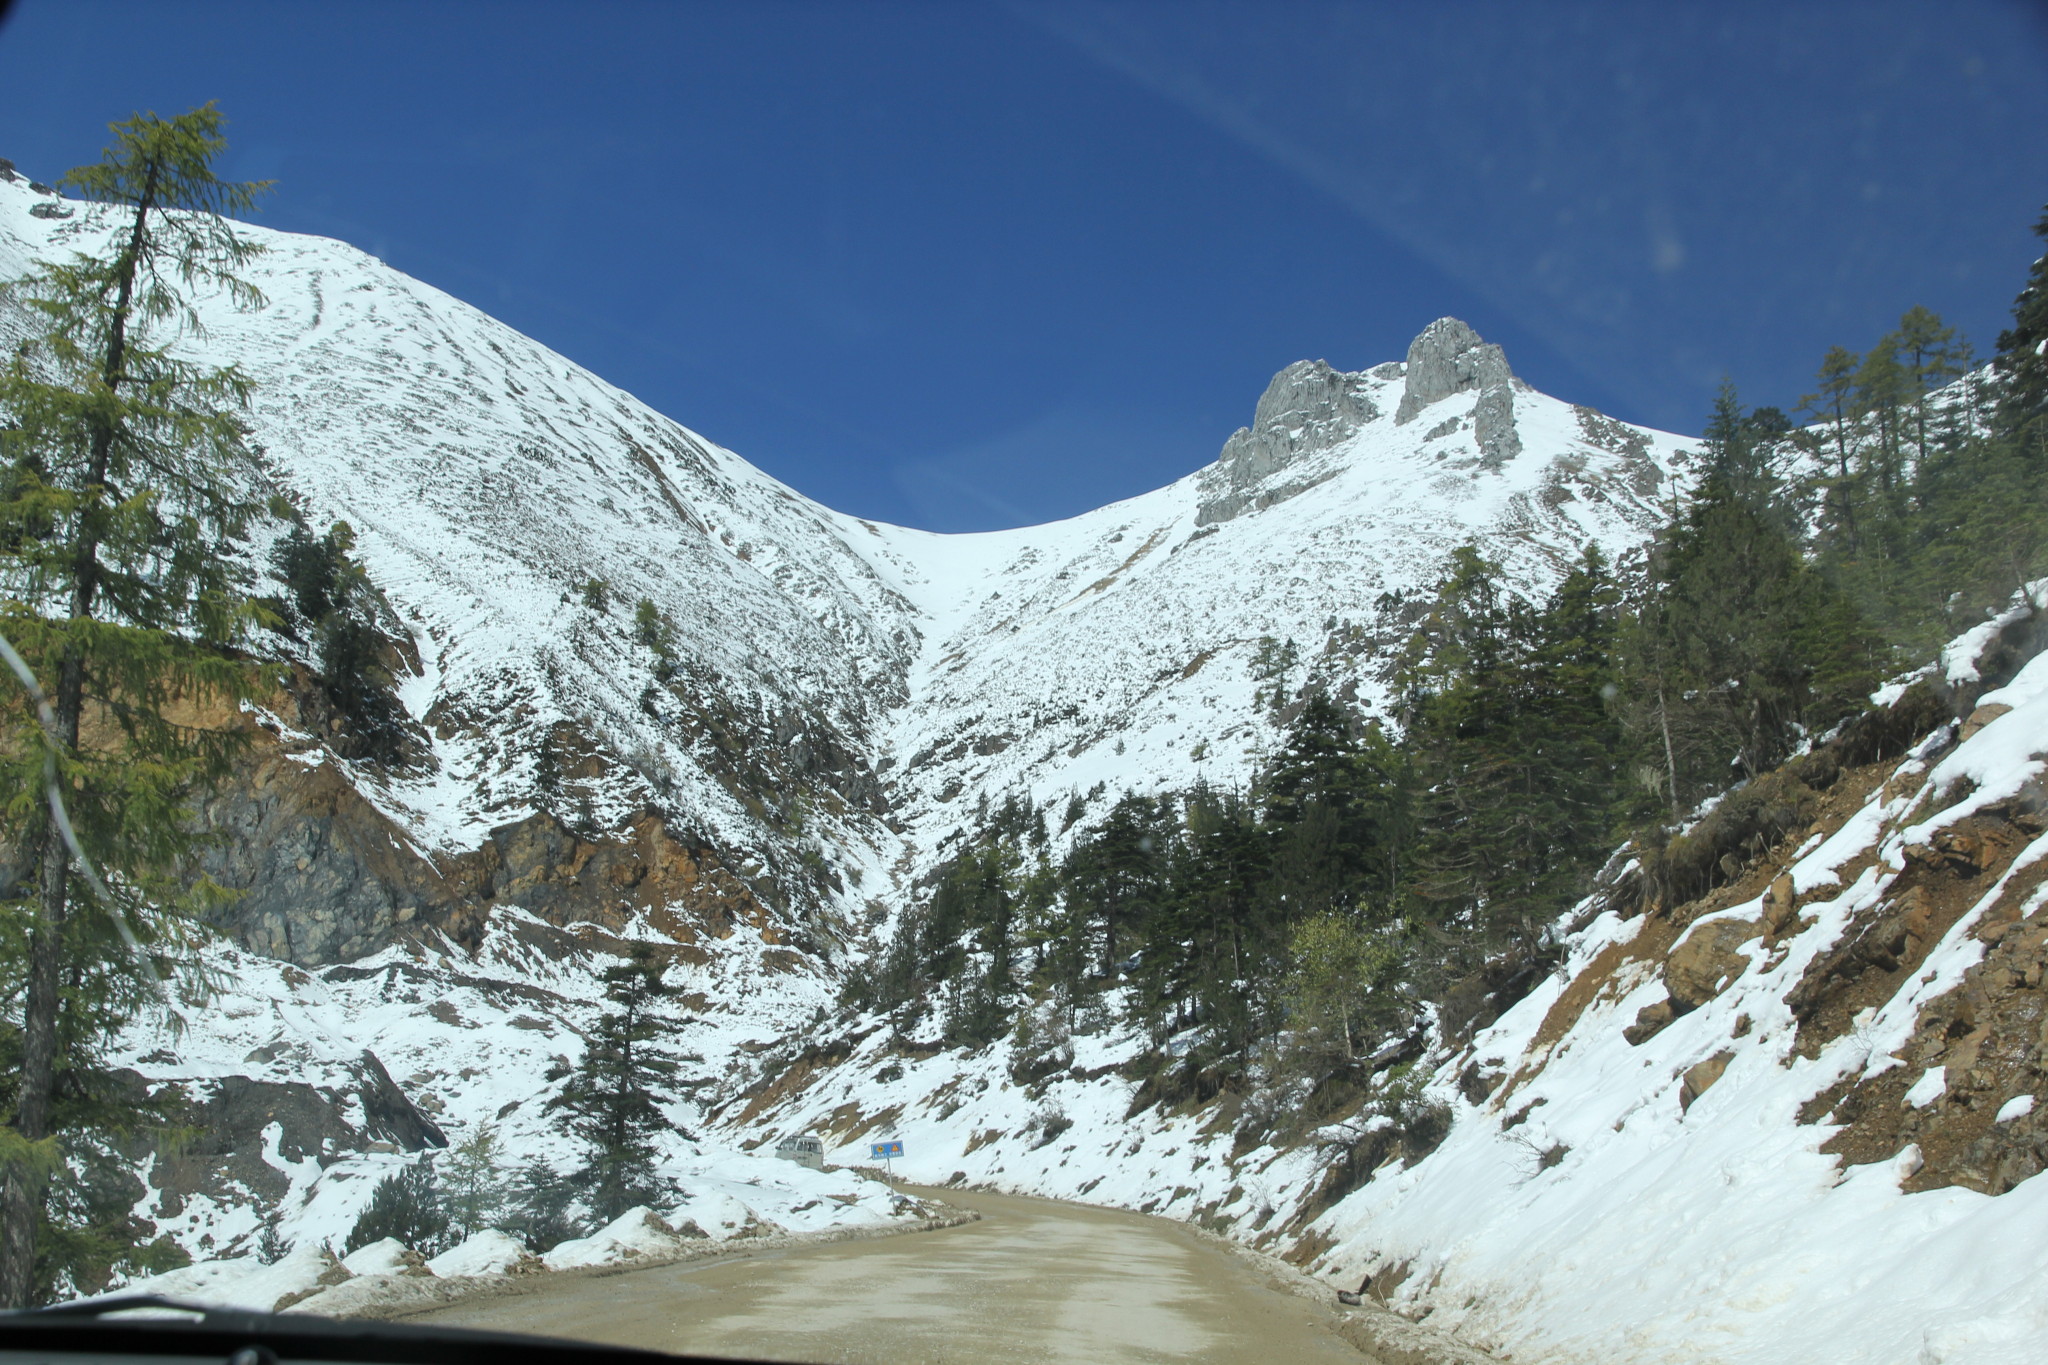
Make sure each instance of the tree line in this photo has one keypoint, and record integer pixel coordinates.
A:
(1294, 926)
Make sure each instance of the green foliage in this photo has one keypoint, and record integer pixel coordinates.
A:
(331, 605)
(613, 1098)
(2022, 363)
(407, 1205)
(541, 1208)
(1339, 977)
(653, 630)
(1932, 502)
(1513, 747)
(120, 509)
(474, 1183)
(596, 595)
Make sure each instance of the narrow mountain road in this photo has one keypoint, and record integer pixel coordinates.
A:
(1034, 1281)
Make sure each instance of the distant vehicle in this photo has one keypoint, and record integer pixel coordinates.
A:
(803, 1149)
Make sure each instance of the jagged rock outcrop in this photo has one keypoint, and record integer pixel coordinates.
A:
(1449, 359)
(1307, 407)
(321, 875)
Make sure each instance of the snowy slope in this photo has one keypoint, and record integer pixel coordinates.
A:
(1768, 1177)
(846, 693)
(489, 479)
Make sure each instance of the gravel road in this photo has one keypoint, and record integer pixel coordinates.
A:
(1034, 1280)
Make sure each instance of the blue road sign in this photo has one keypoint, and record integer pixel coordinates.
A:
(883, 1151)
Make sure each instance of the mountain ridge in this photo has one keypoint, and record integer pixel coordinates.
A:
(839, 684)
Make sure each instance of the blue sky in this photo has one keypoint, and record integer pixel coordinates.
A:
(966, 265)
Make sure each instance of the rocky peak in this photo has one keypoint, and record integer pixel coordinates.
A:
(1449, 358)
(1308, 407)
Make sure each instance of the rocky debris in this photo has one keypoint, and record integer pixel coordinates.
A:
(1448, 359)
(1988, 1040)
(1706, 960)
(1699, 1078)
(1308, 407)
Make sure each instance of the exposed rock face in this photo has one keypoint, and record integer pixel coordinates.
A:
(1307, 407)
(241, 1125)
(1449, 359)
(325, 877)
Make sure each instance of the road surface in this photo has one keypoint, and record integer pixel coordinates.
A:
(1034, 1281)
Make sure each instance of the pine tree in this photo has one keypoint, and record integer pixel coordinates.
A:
(120, 507)
(1737, 644)
(613, 1099)
(2022, 362)
(332, 606)
(408, 1206)
(541, 1201)
(1830, 403)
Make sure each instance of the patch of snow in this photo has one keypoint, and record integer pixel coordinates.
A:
(1931, 1086)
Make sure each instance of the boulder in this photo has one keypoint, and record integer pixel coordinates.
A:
(1699, 1079)
(1650, 1021)
(1781, 905)
(1705, 961)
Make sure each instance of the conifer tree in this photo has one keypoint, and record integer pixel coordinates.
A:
(1737, 643)
(613, 1099)
(407, 1206)
(120, 504)
(474, 1193)
(2022, 362)
(331, 605)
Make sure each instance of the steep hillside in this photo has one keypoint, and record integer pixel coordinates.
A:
(837, 693)
(1789, 1113)
(758, 783)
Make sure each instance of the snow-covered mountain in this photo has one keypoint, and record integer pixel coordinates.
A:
(831, 703)
(843, 694)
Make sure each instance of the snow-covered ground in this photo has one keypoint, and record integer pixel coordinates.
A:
(1721, 1232)
(490, 480)
(472, 1040)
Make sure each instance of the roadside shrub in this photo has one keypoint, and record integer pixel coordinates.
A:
(407, 1206)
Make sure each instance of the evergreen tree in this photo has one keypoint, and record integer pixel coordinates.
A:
(116, 588)
(408, 1206)
(613, 1099)
(1737, 644)
(2022, 362)
(540, 1202)
(1117, 873)
(1830, 403)
(475, 1196)
(332, 605)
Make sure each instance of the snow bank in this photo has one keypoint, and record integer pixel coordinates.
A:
(489, 1252)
